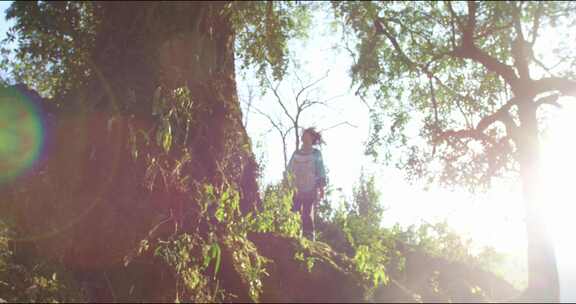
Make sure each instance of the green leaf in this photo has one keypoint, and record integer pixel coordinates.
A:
(164, 135)
(220, 215)
(217, 254)
(167, 140)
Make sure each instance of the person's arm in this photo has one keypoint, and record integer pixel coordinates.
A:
(321, 173)
(288, 170)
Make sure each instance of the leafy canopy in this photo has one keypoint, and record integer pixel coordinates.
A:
(454, 73)
(54, 40)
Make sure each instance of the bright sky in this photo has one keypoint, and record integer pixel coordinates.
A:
(494, 218)
(491, 219)
(4, 26)
(343, 156)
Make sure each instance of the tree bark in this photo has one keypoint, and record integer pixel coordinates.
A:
(143, 45)
(95, 207)
(543, 282)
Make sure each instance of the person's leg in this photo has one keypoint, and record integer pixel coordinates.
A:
(308, 217)
(296, 203)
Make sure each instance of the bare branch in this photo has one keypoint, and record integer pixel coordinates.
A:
(307, 104)
(324, 102)
(540, 64)
(273, 122)
(296, 67)
(283, 133)
(339, 124)
(248, 105)
(309, 86)
(278, 98)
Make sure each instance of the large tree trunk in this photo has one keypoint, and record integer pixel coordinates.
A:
(543, 282)
(143, 46)
(95, 208)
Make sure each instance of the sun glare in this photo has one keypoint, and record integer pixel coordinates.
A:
(558, 175)
(558, 171)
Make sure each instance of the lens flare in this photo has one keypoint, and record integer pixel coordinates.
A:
(21, 133)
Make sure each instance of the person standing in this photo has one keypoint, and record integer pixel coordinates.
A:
(309, 175)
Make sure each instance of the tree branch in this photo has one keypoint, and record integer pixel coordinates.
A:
(539, 63)
(306, 104)
(563, 85)
(536, 23)
(382, 28)
(469, 50)
(309, 86)
(519, 45)
(434, 102)
(276, 125)
(477, 133)
(550, 100)
(454, 16)
(462, 134)
(283, 133)
(491, 30)
(468, 31)
(278, 99)
(499, 115)
(339, 124)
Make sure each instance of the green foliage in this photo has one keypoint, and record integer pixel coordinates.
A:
(231, 228)
(324, 209)
(372, 260)
(360, 222)
(177, 113)
(436, 240)
(249, 264)
(53, 43)
(264, 30)
(428, 82)
(192, 269)
(53, 56)
(55, 40)
(377, 251)
(276, 214)
(196, 258)
(39, 281)
(367, 199)
(439, 240)
(218, 229)
(306, 254)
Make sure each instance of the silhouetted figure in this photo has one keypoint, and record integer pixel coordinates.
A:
(307, 168)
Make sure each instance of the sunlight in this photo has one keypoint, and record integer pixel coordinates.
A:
(558, 175)
(558, 165)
